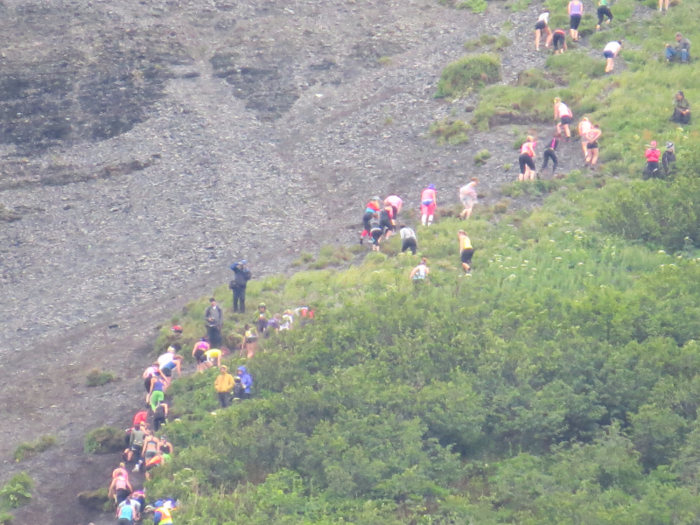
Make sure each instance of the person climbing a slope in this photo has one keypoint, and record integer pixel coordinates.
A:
(592, 146)
(469, 197)
(603, 11)
(542, 27)
(610, 52)
(371, 208)
(559, 41)
(386, 221)
(396, 203)
(575, 13)
(120, 488)
(156, 393)
(126, 512)
(199, 351)
(213, 357)
(160, 415)
(250, 341)
(563, 114)
(550, 152)
(409, 241)
(526, 160)
(420, 273)
(428, 204)
(466, 251)
(375, 231)
(584, 126)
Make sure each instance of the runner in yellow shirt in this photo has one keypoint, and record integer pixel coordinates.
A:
(466, 251)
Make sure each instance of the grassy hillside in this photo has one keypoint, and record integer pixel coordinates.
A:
(558, 384)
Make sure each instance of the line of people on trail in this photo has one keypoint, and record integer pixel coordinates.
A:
(557, 38)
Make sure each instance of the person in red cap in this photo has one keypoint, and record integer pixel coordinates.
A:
(652, 154)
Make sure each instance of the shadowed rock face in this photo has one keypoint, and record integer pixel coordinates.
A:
(97, 86)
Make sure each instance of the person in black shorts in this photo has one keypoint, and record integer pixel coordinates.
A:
(575, 14)
(603, 11)
(375, 231)
(386, 221)
(542, 27)
(466, 250)
(559, 41)
(550, 152)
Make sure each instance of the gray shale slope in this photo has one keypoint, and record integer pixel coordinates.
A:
(145, 145)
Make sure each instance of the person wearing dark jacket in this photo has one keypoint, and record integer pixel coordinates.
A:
(214, 319)
(238, 285)
(681, 109)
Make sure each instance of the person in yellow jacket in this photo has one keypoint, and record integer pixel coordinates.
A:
(223, 386)
(466, 251)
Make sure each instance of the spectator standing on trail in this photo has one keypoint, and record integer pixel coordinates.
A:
(681, 109)
(526, 160)
(371, 208)
(682, 49)
(214, 318)
(224, 386)
(241, 276)
(559, 41)
(468, 196)
(584, 127)
(421, 272)
(563, 114)
(466, 251)
(396, 203)
(409, 241)
(246, 381)
(550, 153)
(428, 204)
(575, 14)
(542, 27)
(603, 11)
(610, 51)
(592, 146)
(652, 154)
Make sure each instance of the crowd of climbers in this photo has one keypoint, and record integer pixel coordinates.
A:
(143, 445)
(146, 446)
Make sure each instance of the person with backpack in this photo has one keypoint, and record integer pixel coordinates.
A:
(241, 276)
(409, 241)
(652, 155)
(682, 49)
(428, 204)
(550, 152)
(160, 415)
(136, 438)
(375, 231)
(214, 320)
(421, 272)
(681, 109)
(223, 386)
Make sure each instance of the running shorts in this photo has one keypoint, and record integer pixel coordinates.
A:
(466, 256)
(566, 119)
(540, 25)
(574, 21)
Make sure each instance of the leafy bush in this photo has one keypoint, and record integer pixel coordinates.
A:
(450, 131)
(576, 64)
(469, 72)
(481, 157)
(104, 440)
(95, 499)
(96, 377)
(476, 6)
(27, 450)
(18, 491)
(6, 518)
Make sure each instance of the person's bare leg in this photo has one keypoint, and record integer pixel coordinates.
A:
(559, 128)
(466, 267)
(548, 40)
(609, 66)
(521, 176)
(594, 157)
(469, 211)
(567, 130)
(538, 34)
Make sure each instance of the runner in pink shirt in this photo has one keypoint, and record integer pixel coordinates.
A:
(395, 202)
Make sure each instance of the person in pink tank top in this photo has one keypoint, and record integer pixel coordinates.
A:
(428, 204)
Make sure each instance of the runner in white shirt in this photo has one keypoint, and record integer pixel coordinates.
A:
(610, 52)
(542, 26)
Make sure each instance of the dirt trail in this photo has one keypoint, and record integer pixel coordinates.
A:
(200, 134)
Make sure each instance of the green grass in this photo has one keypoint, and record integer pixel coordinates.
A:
(482, 157)
(468, 73)
(17, 491)
(450, 131)
(476, 6)
(104, 440)
(28, 450)
(97, 377)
